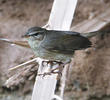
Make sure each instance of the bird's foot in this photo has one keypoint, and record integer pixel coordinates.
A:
(57, 71)
(50, 73)
(44, 74)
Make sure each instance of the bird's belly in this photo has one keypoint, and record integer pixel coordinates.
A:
(45, 54)
(53, 56)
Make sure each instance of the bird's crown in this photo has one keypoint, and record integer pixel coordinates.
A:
(35, 30)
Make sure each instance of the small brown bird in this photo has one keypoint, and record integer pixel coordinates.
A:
(55, 45)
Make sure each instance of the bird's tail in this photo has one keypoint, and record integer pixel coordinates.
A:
(95, 33)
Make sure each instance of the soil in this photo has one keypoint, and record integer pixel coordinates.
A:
(89, 79)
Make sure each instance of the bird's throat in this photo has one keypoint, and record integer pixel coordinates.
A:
(34, 44)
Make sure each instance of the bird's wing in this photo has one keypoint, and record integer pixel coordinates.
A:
(64, 42)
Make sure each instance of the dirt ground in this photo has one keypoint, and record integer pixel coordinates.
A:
(89, 79)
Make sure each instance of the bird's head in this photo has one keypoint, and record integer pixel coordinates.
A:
(35, 33)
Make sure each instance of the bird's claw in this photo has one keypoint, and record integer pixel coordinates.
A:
(51, 72)
(44, 74)
(57, 70)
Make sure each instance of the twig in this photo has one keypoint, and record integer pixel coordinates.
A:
(18, 66)
(19, 43)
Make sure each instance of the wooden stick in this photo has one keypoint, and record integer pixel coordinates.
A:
(14, 42)
(60, 18)
(25, 63)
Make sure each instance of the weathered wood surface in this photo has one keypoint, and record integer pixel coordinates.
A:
(93, 24)
(62, 14)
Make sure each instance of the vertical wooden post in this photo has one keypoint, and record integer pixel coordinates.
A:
(60, 18)
(62, 14)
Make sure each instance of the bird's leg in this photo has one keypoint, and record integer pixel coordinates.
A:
(44, 74)
(61, 65)
(52, 71)
(57, 70)
(51, 62)
(47, 62)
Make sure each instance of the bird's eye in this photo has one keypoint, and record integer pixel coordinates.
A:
(39, 36)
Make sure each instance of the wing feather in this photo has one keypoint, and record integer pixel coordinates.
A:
(65, 42)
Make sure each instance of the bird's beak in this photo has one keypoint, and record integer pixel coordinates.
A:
(25, 36)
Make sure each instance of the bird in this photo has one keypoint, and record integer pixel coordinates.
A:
(55, 45)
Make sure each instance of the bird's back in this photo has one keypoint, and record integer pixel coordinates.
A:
(65, 42)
